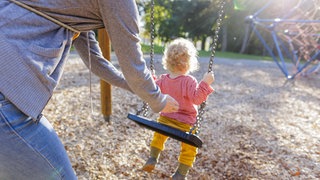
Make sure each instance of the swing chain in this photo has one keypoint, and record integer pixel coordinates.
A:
(152, 68)
(144, 110)
(199, 118)
(201, 110)
(145, 107)
(216, 35)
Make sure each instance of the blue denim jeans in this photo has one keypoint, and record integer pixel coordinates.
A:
(29, 150)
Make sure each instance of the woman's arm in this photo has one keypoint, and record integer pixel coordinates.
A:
(122, 24)
(99, 65)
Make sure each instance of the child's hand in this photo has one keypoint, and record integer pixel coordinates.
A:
(208, 77)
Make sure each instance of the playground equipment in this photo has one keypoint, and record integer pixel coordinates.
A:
(190, 137)
(293, 36)
(105, 88)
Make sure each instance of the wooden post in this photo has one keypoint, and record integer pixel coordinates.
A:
(105, 88)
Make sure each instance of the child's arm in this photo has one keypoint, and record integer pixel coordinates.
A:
(203, 89)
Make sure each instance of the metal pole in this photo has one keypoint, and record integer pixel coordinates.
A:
(105, 88)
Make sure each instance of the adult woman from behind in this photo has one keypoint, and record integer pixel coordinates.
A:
(34, 50)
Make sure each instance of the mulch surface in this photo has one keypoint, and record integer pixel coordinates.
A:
(257, 125)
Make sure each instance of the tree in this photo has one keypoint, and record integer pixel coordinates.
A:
(192, 19)
(200, 20)
(196, 19)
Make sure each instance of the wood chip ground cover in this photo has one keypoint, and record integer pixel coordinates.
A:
(256, 126)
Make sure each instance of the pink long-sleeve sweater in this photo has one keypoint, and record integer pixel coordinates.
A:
(188, 92)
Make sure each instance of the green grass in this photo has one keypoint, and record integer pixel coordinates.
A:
(159, 50)
(232, 55)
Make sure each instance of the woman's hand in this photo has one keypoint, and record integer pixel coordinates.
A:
(171, 106)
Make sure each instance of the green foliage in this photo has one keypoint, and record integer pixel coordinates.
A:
(160, 49)
(196, 20)
(181, 18)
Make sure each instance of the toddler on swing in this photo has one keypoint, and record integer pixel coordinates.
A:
(180, 58)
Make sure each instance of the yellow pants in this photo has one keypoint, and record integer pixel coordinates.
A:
(187, 153)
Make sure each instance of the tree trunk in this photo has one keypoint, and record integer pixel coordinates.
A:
(245, 39)
(224, 44)
(203, 42)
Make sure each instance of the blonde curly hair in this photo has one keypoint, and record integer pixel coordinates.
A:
(180, 56)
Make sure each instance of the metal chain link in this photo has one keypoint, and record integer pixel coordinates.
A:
(196, 127)
(145, 107)
(216, 34)
(152, 69)
(144, 110)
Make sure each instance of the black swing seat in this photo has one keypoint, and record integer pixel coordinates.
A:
(174, 133)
